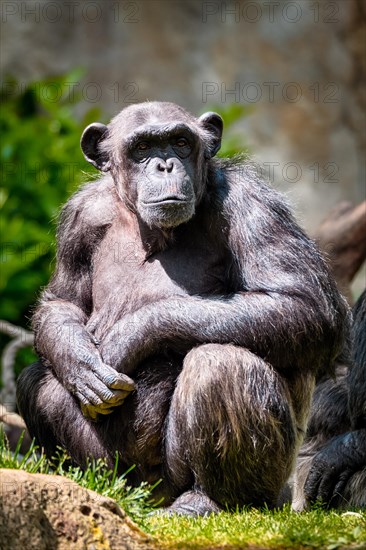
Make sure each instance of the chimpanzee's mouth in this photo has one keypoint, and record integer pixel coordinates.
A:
(166, 200)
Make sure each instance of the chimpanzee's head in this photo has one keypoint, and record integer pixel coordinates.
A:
(158, 155)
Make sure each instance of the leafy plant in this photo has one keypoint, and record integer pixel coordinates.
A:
(233, 142)
(41, 165)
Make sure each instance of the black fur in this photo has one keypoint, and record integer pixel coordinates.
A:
(189, 275)
(332, 462)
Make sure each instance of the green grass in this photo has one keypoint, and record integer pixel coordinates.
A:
(137, 501)
(280, 529)
(263, 528)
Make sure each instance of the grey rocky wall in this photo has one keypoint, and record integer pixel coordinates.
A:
(299, 65)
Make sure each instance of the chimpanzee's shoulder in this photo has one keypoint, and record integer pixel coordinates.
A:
(237, 186)
(93, 205)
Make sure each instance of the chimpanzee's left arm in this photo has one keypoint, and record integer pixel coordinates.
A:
(288, 309)
(342, 456)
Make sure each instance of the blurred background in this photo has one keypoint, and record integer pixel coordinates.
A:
(287, 76)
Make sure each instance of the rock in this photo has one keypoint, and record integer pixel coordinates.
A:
(48, 512)
(298, 66)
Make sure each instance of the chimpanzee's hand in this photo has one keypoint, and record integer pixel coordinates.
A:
(97, 386)
(101, 390)
(333, 466)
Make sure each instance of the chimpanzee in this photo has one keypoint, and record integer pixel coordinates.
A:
(186, 320)
(332, 462)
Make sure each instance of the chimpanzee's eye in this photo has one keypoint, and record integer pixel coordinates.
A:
(142, 146)
(182, 142)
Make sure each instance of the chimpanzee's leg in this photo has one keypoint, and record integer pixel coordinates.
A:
(53, 416)
(233, 429)
(135, 429)
(329, 417)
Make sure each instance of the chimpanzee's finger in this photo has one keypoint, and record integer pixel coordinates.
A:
(118, 381)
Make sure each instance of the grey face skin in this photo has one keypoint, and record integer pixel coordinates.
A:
(164, 174)
(163, 160)
(200, 315)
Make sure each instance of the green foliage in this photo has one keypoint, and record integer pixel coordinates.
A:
(233, 142)
(41, 165)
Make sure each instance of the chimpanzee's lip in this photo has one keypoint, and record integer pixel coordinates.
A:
(166, 200)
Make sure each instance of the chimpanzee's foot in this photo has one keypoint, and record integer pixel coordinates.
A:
(193, 503)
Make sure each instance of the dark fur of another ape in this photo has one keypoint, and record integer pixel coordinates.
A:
(332, 462)
(190, 275)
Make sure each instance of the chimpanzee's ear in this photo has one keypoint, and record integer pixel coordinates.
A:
(90, 139)
(213, 123)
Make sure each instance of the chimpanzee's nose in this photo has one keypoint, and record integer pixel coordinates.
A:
(165, 166)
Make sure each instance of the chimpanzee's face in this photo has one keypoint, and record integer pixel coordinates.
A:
(157, 154)
(162, 172)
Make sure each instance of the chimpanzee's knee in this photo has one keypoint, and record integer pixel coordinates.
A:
(54, 418)
(29, 387)
(33, 404)
(231, 428)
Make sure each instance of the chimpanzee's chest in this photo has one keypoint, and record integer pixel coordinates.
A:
(127, 275)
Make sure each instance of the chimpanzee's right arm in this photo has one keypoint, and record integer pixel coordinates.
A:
(61, 339)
